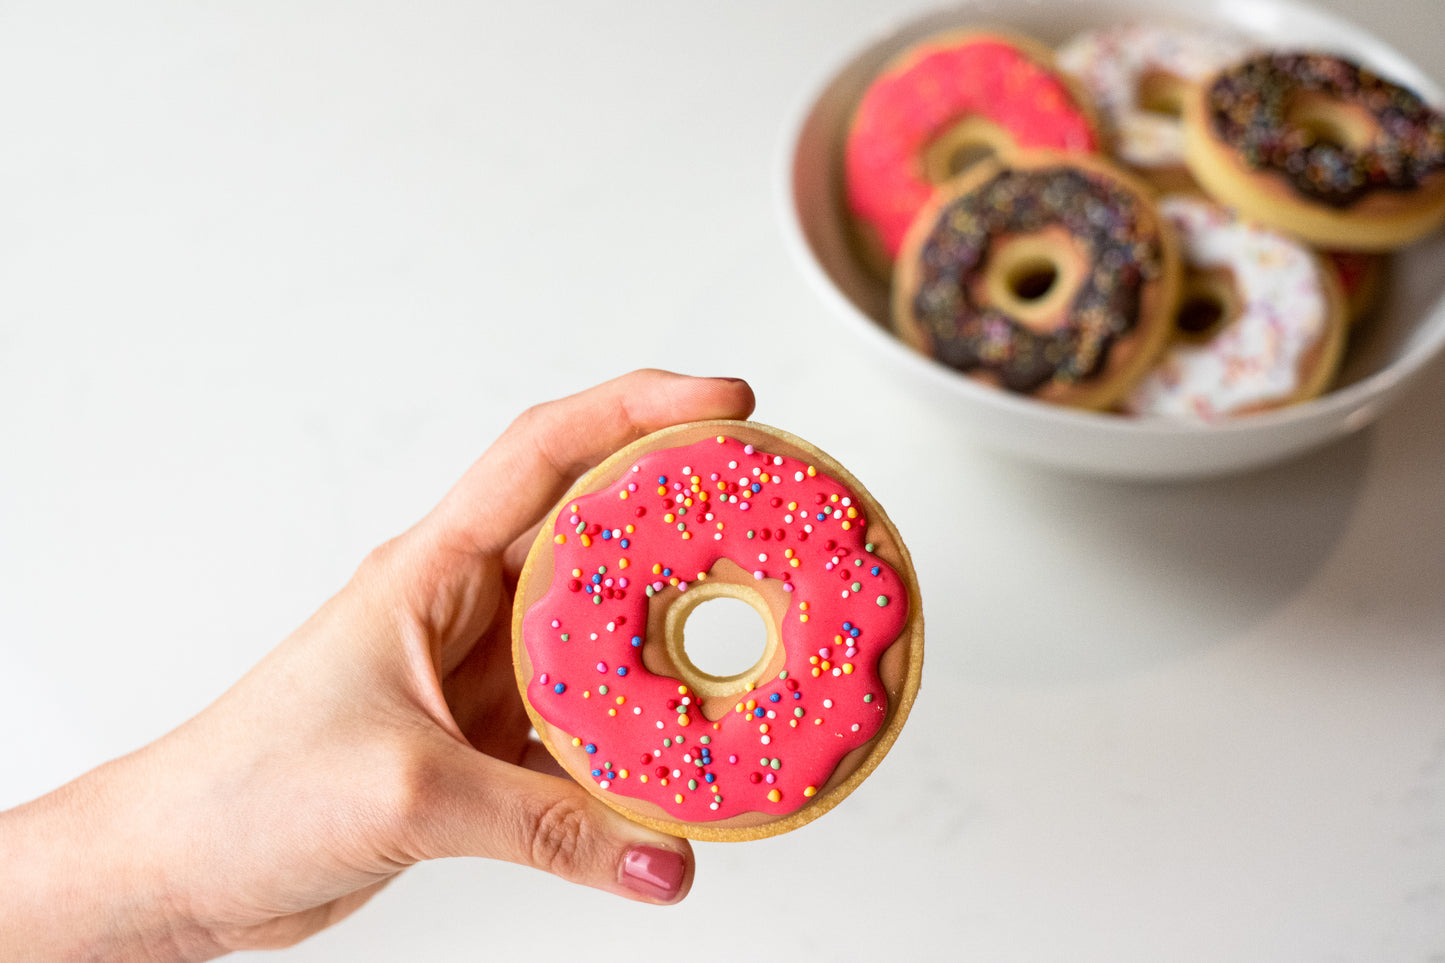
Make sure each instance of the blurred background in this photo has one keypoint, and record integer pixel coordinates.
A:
(273, 274)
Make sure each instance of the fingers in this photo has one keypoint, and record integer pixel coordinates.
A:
(478, 806)
(530, 466)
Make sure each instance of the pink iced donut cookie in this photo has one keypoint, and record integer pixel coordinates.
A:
(723, 509)
(1261, 325)
(946, 101)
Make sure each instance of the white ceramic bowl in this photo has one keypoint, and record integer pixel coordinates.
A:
(1406, 332)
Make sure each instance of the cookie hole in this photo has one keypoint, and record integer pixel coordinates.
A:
(1323, 122)
(963, 146)
(1032, 279)
(1162, 93)
(1199, 315)
(724, 637)
(1210, 301)
(1322, 132)
(966, 155)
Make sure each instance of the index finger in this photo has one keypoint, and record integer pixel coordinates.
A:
(521, 476)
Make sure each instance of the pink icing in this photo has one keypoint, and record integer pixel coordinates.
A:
(903, 111)
(784, 738)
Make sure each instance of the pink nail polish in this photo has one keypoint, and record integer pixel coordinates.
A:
(653, 872)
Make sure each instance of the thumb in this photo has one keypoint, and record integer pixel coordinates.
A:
(471, 804)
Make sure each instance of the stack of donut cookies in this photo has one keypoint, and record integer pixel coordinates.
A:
(1149, 220)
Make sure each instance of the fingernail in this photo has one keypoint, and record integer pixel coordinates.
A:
(653, 872)
(731, 381)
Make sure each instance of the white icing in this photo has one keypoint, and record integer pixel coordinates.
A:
(1255, 358)
(1109, 63)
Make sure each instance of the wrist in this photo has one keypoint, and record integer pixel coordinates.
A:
(79, 881)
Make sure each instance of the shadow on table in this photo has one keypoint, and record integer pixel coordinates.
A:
(1171, 569)
(1192, 565)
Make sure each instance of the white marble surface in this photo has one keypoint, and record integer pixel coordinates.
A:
(273, 273)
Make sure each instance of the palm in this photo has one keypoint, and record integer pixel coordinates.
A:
(353, 857)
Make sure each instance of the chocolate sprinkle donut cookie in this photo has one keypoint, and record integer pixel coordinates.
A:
(1044, 275)
(1318, 146)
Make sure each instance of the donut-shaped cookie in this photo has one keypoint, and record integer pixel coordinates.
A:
(1262, 321)
(684, 516)
(942, 104)
(1046, 275)
(1317, 146)
(1139, 76)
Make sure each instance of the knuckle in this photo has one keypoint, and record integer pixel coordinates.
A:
(531, 417)
(540, 425)
(380, 561)
(560, 837)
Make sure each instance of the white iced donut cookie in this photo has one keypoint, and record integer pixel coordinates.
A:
(1137, 75)
(1261, 324)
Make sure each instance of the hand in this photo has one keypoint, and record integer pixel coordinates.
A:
(386, 730)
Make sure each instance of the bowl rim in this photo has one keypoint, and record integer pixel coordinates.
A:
(1355, 404)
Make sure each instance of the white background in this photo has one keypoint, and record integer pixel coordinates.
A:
(273, 273)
